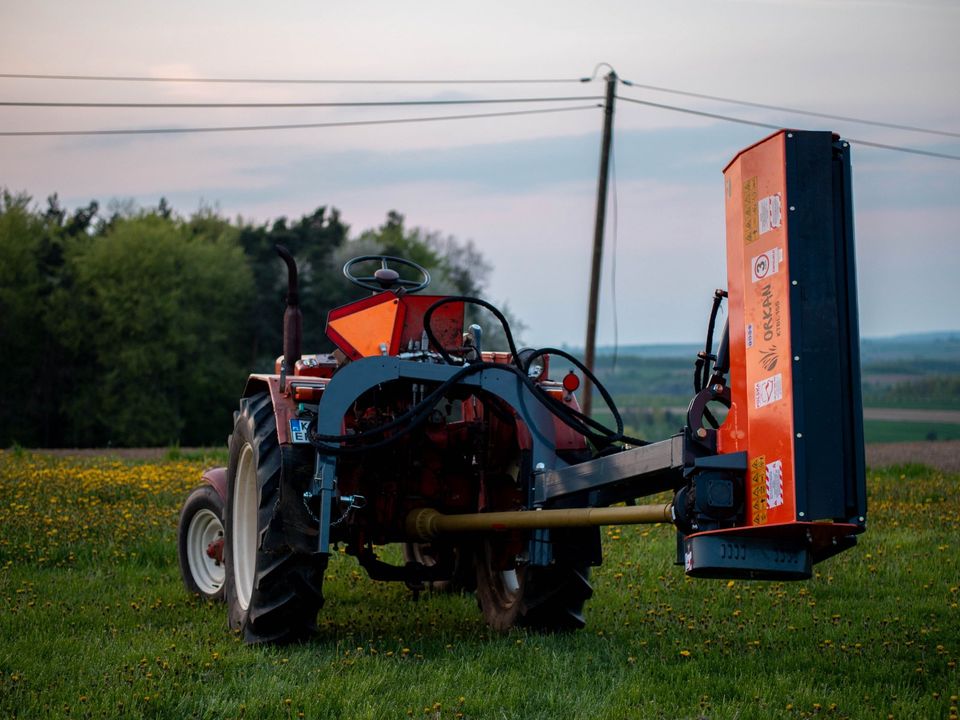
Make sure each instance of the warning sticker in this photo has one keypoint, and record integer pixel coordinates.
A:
(750, 211)
(768, 391)
(766, 264)
(750, 335)
(758, 490)
(298, 431)
(769, 211)
(775, 484)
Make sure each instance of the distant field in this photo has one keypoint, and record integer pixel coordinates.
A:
(96, 624)
(899, 376)
(883, 431)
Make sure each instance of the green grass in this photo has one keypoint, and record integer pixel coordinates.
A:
(95, 623)
(209, 456)
(884, 431)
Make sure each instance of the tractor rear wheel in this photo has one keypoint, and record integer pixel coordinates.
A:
(548, 598)
(273, 595)
(200, 543)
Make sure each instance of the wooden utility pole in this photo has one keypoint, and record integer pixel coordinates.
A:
(589, 352)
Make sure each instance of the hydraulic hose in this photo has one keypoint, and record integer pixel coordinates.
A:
(600, 435)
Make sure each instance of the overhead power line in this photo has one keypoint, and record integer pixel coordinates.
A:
(795, 111)
(472, 81)
(413, 103)
(899, 148)
(374, 103)
(437, 81)
(293, 81)
(742, 121)
(701, 113)
(291, 126)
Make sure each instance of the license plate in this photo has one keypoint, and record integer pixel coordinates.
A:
(298, 432)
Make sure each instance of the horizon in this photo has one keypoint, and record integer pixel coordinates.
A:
(903, 337)
(522, 188)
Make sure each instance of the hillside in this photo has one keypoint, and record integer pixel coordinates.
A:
(911, 386)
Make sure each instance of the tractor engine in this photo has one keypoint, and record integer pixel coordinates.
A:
(440, 464)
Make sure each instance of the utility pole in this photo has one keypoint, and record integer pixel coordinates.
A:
(589, 352)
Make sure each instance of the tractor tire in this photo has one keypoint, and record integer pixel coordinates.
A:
(548, 599)
(273, 595)
(200, 543)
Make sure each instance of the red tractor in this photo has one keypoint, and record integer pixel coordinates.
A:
(483, 467)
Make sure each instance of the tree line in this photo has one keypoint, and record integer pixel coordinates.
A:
(138, 327)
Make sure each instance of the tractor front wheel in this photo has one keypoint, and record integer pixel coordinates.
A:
(273, 594)
(200, 543)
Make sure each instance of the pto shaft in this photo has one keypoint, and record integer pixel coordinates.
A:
(427, 523)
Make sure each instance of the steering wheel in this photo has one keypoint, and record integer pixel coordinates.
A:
(386, 278)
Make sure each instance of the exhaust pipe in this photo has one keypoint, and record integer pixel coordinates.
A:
(426, 523)
(292, 319)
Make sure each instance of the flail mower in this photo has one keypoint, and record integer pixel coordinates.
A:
(482, 466)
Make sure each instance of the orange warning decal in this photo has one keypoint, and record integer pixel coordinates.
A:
(751, 220)
(758, 490)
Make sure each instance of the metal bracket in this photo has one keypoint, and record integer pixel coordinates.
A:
(541, 548)
(626, 475)
(324, 485)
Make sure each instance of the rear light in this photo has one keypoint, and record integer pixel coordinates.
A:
(571, 382)
(307, 393)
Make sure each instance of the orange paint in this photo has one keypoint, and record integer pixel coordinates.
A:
(367, 329)
(761, 420)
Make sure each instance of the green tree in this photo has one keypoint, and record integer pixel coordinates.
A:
(21, 332)
(138, 327)
(35, 374)
(157, 306)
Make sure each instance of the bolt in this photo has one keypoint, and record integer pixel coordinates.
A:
(794, 282)
(539, 467)
(702, 433)
(801, 514)
(799, 435)
(718, 388)
(789, 135)
(792, 208)
(796, 358)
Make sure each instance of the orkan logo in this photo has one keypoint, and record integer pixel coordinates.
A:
(766, 264)
(768, 358)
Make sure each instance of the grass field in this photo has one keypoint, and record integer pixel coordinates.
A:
(881, 431)
(94, 622)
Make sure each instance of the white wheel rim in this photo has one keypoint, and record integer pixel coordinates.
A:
(244, 540)
(205, 528)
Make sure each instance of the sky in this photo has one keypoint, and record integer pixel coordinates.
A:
(522, 188)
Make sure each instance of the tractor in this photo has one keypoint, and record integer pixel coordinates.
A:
(482, 466)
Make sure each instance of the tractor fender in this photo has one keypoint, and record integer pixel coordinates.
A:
(284, 407)
(217, 479)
